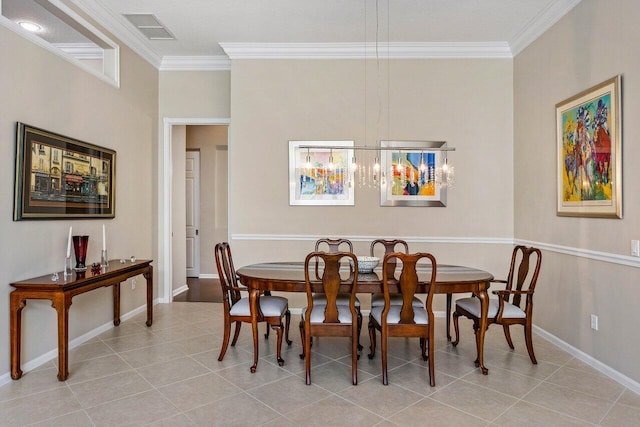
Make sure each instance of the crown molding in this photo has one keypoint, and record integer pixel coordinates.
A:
(365, 50)
(195, 63)
(541, 23)
(121, 29)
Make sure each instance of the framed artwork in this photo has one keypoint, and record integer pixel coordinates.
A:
(589, 151)
(58, 177)
(319, 175)
(410, 177)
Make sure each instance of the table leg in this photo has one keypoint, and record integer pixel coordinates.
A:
(149, 276)
(448, 316)
(484, 308)
(116, 304)
(17, 304)
(62, 303)
(253, 304)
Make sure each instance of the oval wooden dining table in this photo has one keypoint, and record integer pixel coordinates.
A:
(289, 277)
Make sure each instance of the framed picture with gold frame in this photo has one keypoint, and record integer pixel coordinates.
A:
(58, 177)
(589, 152)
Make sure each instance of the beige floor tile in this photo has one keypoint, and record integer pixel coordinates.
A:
(380, 399)
(200, 343)
(96, 368)
(102, 390)
(374, 366)
(132, 342)
(428, 412)
(88, 351)
(72, 419)
(473, 399)
(240, 410)
(233, 357)
(129, 327)
(172, 371)
(30, 383)
(178, 333)
(415, 377)
(333, 376)
(38, 407)
(136, 410)
(198, 391)
(243, 378)
(570, 402)
(180, 420)
(622, 416)
(593, 383)
(629, 398)
(288, 394)
(153, 354)
(524, 414)
(503, 381)
(334, 411)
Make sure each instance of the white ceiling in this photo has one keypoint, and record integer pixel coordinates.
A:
(200, 26)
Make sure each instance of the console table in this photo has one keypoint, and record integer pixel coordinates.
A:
(61, 292)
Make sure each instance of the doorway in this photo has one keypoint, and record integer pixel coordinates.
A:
(166, 224)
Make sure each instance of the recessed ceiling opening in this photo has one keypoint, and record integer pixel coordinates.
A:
(52, 25)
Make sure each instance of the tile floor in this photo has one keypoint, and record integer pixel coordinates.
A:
(168, 375)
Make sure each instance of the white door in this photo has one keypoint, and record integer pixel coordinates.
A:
(192, 175)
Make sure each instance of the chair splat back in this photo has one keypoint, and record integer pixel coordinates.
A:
(524, 257)
(389, 247)
(227, 274)
(330, 280)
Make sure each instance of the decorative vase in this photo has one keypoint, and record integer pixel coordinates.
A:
(80, 244)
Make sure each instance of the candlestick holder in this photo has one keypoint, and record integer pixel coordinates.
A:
(68, 270)
(80, 244)
(104, 259)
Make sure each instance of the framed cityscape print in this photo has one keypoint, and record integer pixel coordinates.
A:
(589, 152)
(58, 177)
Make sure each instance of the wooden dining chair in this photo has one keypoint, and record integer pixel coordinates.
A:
(506, 309)
(404, 320)
(389, 246)
(332, 246)
(237, 308)
(330, 319)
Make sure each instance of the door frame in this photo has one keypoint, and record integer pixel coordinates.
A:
(164, 198)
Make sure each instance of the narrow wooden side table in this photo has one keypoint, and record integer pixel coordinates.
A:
(61, 292)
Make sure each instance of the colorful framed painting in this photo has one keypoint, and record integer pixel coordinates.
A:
(409, 175)
(589, 144)
(319, 175)
(58, 177)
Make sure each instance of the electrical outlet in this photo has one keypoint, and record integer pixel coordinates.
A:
(594, 322)
(133, 284)
(635, 248)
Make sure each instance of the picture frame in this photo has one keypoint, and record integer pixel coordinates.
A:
(589, 152)
(320, 173)
(58, 177)
(410, 176)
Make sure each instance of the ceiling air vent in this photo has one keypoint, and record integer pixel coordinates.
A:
(149, 25)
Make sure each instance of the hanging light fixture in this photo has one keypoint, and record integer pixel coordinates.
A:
(368, 170)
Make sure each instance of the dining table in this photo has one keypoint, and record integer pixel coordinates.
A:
(290, 277)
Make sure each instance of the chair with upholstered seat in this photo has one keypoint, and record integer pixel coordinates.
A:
(237, 309)
(330, 319)
(335, 245)
(405, 319)
(506, 309)
(389, 246)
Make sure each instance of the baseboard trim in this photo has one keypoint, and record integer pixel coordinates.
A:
(178, 291)
(589, 360)
(208, 276)
(51, 355)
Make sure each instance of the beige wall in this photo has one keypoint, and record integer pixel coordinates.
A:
(43, 90)
(211, 142)
(593, 43)
(465, 102)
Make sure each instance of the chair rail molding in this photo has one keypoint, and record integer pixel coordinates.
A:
(549, 247)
